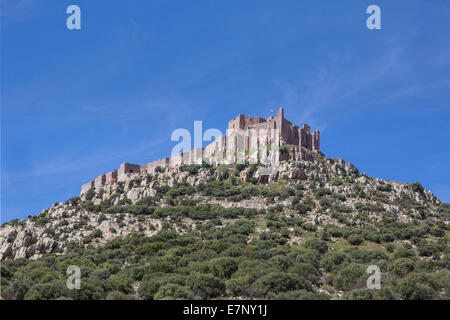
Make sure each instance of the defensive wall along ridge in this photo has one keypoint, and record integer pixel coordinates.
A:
(247, 138)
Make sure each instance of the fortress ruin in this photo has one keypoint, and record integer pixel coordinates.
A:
(250, 139)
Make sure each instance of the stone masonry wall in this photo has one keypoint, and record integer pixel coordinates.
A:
(247, 138)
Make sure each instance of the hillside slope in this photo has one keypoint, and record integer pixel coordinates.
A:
(307, 232)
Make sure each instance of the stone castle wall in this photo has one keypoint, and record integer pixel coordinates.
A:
(247, 138)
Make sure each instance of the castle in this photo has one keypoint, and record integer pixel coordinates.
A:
(247, 138)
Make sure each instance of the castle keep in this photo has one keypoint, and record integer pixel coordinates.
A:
(289, 133)
(250, 139)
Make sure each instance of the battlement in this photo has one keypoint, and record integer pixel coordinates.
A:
(247, 137)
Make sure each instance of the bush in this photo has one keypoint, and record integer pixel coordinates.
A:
(334, 260)
(350, 277)
(309, 227)
(320, 192)
(148, 288)
(97, 233)
(428, 250)
(119, 282)
(74, 201)
(442, 278)
(304, 207)
(437, 232)
(417, 287)
(277, 282)
(371, 235)
(385, 293)
(148, 248)
(206, 286)
(306, 271)
(223, 267)
(192, 168)
(316, 244)
(404, 253)
(359, 294)
(47, 291)
(384, 187)
(172, 291)
(402, 266)
(417, 187)
(117, 295)
(90, 194)
(238, 285)
(389, 247)
(299, 295)
(283, 150)
(355, 239)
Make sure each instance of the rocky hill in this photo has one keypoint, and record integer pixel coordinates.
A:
(308, 231)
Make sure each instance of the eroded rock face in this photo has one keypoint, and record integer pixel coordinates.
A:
(263, 179)
(23, 239)
(46, 245)
(5, 250)
(298, 174)
(20, 253)
(135, 194)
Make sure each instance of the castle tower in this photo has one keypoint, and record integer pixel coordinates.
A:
(316, 140)
(279, 122)
(237, 123)
(280, 113)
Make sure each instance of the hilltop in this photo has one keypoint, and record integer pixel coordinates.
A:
(307, 230)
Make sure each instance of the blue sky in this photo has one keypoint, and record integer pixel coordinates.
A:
(77, 103)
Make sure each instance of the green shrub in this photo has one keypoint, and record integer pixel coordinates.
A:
(172, 291)
(277, 282)
(119, 282)
(192, 168)
(148, 248)
(118, 295)
(206, 286)
(402, 266)
(316, 244)
(223, 267)
(350, 276)
(428, 250)
(299, 295)
(148, 288)
(47, 291)
(320, 192)
(237, 286)
(355, 239)
(417, 287)
(334, 260)
(97, 233)
(306, 271)
(90, 194)
(417, 187)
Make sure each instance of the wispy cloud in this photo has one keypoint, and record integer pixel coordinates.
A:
(334, 83)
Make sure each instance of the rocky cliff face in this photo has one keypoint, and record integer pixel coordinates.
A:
(322, 191)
